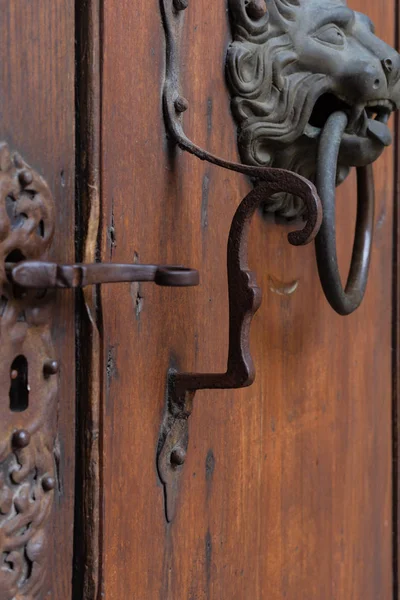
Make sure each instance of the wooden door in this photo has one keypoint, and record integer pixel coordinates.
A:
(37, 116)
(287, 488)
(290, 486)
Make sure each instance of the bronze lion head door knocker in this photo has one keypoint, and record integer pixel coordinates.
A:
(312, 91)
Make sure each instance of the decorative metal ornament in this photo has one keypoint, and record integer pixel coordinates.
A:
(27, 388)
(292, 64)
(301, 73)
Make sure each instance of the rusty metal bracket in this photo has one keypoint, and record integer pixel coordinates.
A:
(28, 367)
(244, 300)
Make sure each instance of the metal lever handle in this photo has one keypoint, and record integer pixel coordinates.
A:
(244, 301)
(37, 274)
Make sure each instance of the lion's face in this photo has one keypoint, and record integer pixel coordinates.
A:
(292, 63)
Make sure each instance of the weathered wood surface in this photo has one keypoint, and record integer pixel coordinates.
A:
(37, 119)
(396, 354)
(287, 487)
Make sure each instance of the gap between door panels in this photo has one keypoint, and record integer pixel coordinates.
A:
(89, 352)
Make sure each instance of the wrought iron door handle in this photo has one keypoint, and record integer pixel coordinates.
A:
(36, 274)
(244, 301)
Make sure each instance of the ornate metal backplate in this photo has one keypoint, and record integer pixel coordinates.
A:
(28, 387)
(291, 65)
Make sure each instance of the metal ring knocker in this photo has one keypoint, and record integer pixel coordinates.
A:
(343, 300)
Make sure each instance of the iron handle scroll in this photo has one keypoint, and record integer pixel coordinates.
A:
(244, 301)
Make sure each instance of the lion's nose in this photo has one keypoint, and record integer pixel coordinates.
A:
(391, 68)
(369, 80)
(387, 65)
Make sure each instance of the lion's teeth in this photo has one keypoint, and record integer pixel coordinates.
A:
(381, 103)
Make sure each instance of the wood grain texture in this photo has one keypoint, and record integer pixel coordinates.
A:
(396, 349)
(37, 119)
(287, 486)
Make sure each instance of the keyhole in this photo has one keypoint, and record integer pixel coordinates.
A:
(19, 388)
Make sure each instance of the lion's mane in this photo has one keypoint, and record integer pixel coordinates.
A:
(270, 97)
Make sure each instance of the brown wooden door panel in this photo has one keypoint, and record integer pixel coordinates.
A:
(287, 487)
(37, 117)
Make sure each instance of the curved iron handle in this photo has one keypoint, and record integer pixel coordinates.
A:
(244, 301)
(343, 300)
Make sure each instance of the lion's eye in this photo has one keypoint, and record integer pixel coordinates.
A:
(332, 35)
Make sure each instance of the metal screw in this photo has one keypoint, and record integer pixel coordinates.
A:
(25, 178)
(21, 438)
(178, 456)
(48, 483)
(50, 367)
(181, 4)
(181, 104)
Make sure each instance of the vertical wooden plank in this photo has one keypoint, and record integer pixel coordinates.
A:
(396, 386)
(396, 345)
(287, 489)
(37, 119)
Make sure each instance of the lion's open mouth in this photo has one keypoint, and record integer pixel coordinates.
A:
(365, 120)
